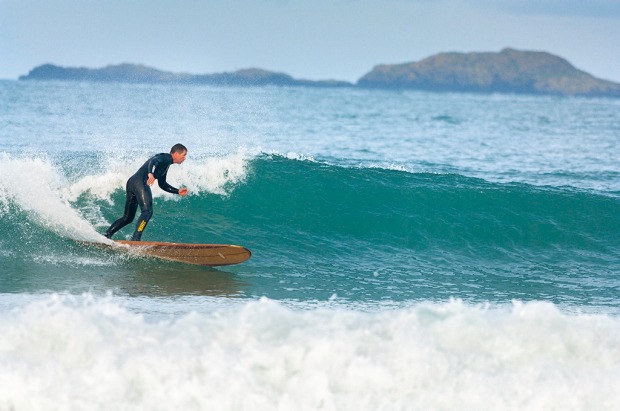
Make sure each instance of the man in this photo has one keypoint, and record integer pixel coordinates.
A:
(139, 192)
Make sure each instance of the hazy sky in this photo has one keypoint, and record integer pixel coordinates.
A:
(309, 39)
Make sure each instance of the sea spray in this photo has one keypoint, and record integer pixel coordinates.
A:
(106, 173)
(35, 186)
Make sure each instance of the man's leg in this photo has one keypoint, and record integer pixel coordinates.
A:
(145, 200)
(131, 205)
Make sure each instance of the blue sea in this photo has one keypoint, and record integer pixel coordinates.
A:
(411, 250)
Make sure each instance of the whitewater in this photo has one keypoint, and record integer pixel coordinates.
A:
(410, 250)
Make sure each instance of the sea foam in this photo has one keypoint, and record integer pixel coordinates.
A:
(94, 353)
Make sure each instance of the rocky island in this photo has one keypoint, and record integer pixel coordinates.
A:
(509, 71)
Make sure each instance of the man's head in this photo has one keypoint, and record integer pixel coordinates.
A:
(178, 152)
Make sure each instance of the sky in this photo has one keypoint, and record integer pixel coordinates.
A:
(307, 39)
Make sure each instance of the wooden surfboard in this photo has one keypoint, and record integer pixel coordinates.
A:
(199, 254)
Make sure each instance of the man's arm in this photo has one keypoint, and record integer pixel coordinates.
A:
(163, 184)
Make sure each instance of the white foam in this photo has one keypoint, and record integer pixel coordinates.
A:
(35, 185)
(89, 354)
(199, 174)
(213, 174)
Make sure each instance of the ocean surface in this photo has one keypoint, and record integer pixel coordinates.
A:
(411, 250)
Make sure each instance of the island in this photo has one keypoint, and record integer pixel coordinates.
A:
(508, 71)
(137, 73)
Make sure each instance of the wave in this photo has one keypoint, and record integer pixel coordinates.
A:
(424, 210)
(318, 229)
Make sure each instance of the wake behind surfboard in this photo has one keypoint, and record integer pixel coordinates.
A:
(198, 254)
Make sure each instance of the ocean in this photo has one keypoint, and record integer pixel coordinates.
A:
(411, 250)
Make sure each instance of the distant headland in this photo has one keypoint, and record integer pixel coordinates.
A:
(509, 71)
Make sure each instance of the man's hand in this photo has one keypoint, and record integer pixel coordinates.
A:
(151, 179)
(183, 192)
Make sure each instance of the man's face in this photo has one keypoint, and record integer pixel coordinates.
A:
(178, 158)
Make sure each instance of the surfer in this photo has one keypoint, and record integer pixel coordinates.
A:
(139, 192)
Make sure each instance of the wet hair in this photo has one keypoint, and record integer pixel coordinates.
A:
(178, 148)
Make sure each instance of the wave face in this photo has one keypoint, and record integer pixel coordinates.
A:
(319, 230)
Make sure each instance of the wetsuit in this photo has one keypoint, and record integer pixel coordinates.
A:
(139, 194)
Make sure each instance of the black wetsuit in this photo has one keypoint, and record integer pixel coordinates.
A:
(139, 194)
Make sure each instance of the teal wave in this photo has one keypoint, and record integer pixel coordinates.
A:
(284, 200)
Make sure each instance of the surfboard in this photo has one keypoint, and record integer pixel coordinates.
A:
(199, 254)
